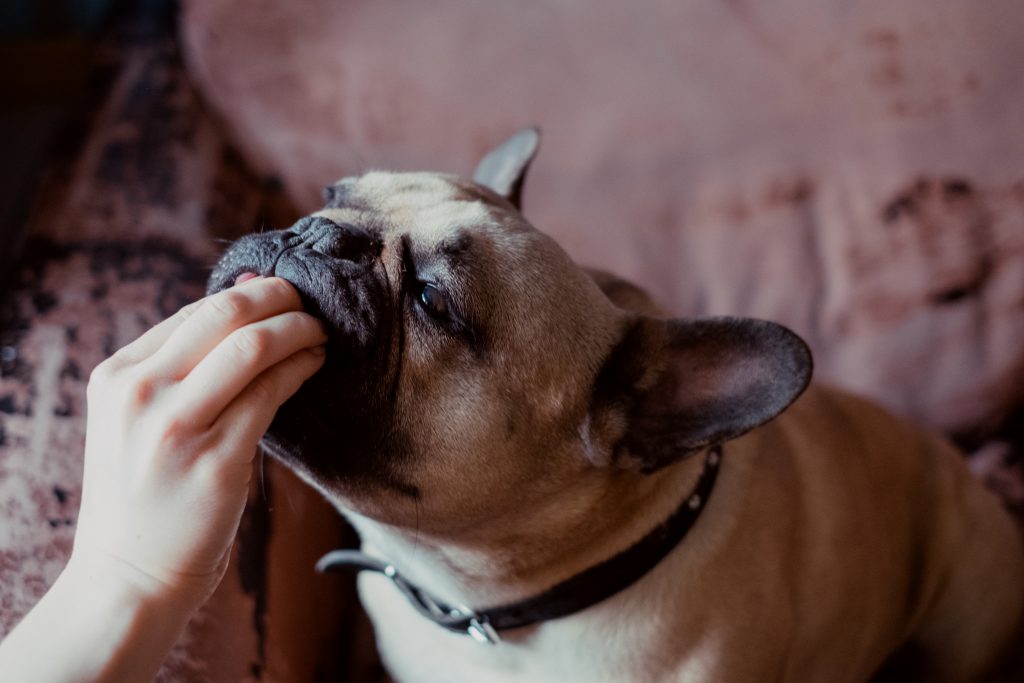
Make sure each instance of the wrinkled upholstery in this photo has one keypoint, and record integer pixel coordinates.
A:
(853, 172)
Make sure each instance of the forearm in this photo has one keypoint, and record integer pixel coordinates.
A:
(91, 626)
(173, 423)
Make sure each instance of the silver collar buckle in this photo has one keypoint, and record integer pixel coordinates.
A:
(479, 628)
(482, 632)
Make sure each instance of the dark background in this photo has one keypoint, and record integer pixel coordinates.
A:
(46, 48)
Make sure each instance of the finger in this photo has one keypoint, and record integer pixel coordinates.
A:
(239, 359)
(151, 340)
(248, 416)
(219, 316)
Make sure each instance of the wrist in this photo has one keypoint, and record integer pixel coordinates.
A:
(105, 626)
(119, 582)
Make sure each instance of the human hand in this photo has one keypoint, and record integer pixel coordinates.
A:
(173, 423)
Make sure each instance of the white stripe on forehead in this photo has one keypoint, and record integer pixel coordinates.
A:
(387, 183)
(429, 203)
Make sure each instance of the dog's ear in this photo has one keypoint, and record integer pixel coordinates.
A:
(674, 387)
(503, 169)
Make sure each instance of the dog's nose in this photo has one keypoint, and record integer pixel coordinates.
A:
(338, 240)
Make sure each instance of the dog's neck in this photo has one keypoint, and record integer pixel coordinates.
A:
(515, 556)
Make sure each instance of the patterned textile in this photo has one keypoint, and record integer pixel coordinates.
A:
(123, 233)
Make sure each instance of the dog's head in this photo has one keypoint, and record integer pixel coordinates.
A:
(472, 364)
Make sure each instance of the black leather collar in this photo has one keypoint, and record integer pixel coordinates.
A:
(576, 593)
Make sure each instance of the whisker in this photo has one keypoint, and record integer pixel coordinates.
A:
(263, 478)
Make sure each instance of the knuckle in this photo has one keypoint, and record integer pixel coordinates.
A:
(186, 311)
(229, 305)
(252, 343)
(262, 390)
(176, 430)
(102, 373)
(100, 378)
(139, 389)
(304, 323)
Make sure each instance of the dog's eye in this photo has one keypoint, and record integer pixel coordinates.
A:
(433, 301)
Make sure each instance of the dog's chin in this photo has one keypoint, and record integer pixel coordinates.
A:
(333, 445)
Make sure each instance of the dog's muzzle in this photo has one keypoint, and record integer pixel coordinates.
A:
(337, 270)
(342, 241)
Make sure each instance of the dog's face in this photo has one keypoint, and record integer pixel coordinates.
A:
(471, 363)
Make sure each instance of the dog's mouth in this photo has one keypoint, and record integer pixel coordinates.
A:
(251, 272)
(339, 278)
(347, 293)
(245, 277)
(347, 397)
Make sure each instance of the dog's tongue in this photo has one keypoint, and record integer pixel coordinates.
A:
(245, 277)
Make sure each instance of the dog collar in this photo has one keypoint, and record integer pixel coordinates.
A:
(576, 593)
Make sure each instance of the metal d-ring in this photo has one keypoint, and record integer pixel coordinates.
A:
(482, 632)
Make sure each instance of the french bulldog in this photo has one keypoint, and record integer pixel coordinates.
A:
(553, 482)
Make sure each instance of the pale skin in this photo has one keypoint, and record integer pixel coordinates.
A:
(173, 423)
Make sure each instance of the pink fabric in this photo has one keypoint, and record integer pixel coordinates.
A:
(850, 170)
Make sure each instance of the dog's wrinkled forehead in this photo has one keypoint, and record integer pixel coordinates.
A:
(465, 236)
(433, 202)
